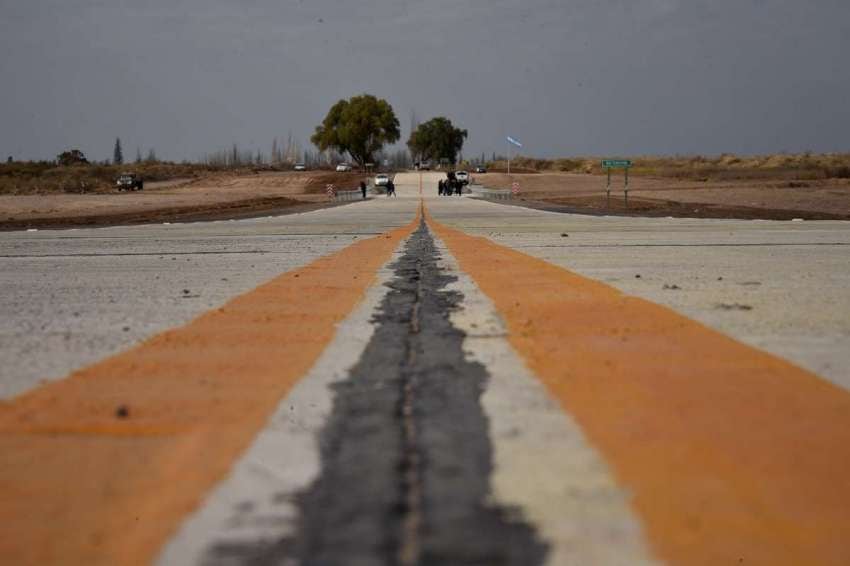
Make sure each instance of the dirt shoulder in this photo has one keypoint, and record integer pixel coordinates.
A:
(827, 199)
(211, 198)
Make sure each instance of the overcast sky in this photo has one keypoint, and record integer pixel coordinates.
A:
(566, 77)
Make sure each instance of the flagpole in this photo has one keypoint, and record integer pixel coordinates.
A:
(509, 158)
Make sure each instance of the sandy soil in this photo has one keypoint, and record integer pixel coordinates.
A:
(222, 196)
(653, 196)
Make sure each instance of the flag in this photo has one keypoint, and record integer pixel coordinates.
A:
(513, 141)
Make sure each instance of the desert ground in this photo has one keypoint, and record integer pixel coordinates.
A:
(777, 199)
(215, 196)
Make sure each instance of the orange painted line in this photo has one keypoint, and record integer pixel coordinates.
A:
(733, 456)
(81, 485)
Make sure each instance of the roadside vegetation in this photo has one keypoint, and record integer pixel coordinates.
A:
(360, 127)
(802, 166)
(72, 173)
(436, 140)
(49, 177)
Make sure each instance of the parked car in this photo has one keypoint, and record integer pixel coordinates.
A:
(424, 166)
(462, 177)
(480, 169)
(343, 168)
(130, 182)
(300, 167)
(381, 180)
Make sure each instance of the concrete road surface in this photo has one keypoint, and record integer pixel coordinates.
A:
(426, 380)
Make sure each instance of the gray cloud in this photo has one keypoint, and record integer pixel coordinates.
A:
(566, 77)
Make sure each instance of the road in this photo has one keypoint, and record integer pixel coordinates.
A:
(426, 380)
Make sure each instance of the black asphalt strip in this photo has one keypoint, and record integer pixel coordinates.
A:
(406, 457)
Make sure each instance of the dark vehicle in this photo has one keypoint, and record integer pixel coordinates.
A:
(480, 169)
(130, 182)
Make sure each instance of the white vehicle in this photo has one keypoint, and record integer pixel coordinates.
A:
(462, 177)
(343, 168)
(300, 167)
(381, 180)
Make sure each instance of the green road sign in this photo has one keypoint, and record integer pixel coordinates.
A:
(616, 163)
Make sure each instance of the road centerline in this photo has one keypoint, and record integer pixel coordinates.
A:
(408, 430)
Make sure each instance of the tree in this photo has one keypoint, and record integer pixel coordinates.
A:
(360, 126)
(117, 154)
(138, 155)
(151, 158)
(72, 157)
(437, 139)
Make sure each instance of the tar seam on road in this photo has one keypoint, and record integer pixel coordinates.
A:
(406, 456)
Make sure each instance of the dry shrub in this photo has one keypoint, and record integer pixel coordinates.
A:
(47, 177)
(727, 167)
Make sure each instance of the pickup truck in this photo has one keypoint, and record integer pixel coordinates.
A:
(130, 182)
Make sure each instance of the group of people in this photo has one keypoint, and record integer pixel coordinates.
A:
(445, 187)
(449, 186)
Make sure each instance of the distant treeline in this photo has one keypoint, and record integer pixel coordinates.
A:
(286, 154)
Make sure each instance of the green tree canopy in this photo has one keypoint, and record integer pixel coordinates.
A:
(359, 126)
(72, 157)
(436, 139)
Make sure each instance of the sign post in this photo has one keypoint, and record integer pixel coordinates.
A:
(609, 164)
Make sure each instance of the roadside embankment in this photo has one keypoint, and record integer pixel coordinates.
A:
(826, 199)
(213, 197)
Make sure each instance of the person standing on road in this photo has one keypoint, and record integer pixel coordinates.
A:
(449, 184)
(363, 188)
(440, 187)
(390, 188)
